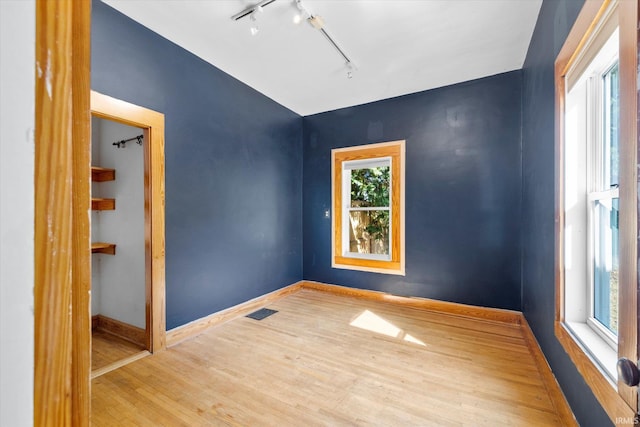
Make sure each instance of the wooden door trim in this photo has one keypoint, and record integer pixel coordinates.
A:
(152, 123)
(62, 270)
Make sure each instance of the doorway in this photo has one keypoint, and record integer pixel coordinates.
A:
(118, 320)
(128, 289)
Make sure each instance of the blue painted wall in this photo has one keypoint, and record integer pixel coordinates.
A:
(479, 194)
(538, 189)
(233, 168)
(463, 176)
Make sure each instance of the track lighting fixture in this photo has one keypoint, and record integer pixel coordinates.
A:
(254, 26)
(315, 21)
(248, 11)
(301, 12)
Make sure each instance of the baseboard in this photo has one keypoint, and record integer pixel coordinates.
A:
(551, 384)
(457, 309)
(191, 329)
(94, 322)
(196, 327)
(512, 317)
(120, 329)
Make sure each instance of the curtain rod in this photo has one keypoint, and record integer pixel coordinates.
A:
(121, 144)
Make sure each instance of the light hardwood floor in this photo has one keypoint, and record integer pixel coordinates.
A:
(107, 349)
(325, 359)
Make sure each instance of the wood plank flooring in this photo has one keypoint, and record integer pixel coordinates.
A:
(331, 360)
(107, 349)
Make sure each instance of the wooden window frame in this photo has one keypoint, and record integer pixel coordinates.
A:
(618, 400)
(396, 151)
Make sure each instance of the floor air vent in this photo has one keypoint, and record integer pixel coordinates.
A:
(261, 314)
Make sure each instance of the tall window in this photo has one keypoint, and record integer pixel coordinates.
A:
(368, 218)
(366, 196)
(604, 206)
(596, 216)
(591, 198)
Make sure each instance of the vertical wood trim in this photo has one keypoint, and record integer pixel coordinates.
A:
(148, 277)
(81, 234)
(158, 234)
(53, 219)
(152, 122)
(395, 208)
(336, 194)
(628, 228)
(559, 197)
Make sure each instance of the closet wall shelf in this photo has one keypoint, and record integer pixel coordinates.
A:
(103, 248)
(103, 204)
(99, 174)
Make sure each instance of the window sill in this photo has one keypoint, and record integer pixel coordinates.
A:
(597, 348)
(601, 385)
(372, 266)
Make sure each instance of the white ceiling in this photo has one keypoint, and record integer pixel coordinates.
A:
(398, 46)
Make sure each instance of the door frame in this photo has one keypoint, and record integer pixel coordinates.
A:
(152, 123)
(62, 238)
(62, 255)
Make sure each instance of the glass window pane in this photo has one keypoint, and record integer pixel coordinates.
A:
(369, 232)
(370, 187)
(610, 154)
(606, 263)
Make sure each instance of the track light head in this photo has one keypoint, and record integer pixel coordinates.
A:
(301, 12)
(316, 21)
(254, 26)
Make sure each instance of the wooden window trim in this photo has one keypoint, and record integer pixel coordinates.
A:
(396, 151)
(620, 401)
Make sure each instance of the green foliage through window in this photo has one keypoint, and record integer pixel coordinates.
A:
(370, 188)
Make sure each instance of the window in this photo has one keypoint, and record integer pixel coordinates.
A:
(604, 208)
(596, 313)
(591, 197)
(368, 212)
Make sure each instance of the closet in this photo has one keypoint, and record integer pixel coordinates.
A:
(118, 277)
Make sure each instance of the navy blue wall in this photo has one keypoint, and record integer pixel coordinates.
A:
(233, 168)
(538, 189)
(463, 176)
(479, 193)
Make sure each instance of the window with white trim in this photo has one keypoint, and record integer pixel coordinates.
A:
(596, 316)
(591, 199)
(368, 213)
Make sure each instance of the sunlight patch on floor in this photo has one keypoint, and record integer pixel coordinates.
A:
(370, 321)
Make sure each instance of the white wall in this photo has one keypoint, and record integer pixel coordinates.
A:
(96, 260)
(118, 282)
(17, 62)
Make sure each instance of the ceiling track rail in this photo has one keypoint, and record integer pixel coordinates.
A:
(251, 9)
(314, 20)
